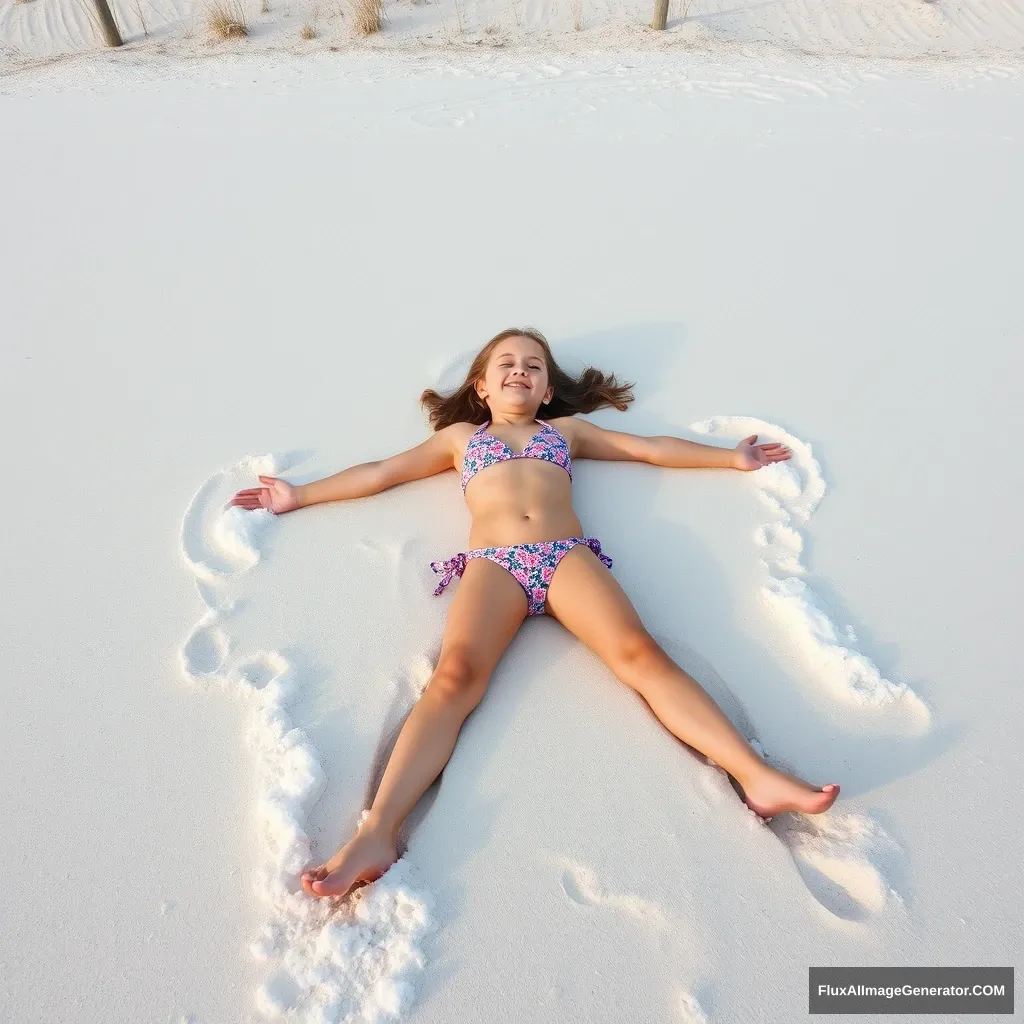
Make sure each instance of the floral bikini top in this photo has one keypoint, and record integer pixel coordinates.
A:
(485, 449)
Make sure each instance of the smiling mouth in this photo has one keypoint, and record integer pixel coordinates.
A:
(518, 385)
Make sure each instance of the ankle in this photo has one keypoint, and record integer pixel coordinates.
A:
(753, 773)
(380, 825)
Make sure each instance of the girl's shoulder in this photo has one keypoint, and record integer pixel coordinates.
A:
(461, 432)
(565, 425)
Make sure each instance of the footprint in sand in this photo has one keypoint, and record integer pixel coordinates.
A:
(842, 858)
(205, 650)
(839, 857)
(581, 885)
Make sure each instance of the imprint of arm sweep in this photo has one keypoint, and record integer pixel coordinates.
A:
(434, 455)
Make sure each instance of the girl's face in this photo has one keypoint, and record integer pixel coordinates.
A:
(517, 377)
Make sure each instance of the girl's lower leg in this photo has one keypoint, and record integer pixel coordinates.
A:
(686, 709)
(423, 748)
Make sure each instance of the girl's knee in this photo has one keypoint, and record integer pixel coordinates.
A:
(459, 677)
(637, 652)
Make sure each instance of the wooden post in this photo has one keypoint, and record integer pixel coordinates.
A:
(107, 23)
(660, 14)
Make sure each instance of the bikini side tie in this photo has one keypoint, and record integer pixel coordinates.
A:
(450, 567)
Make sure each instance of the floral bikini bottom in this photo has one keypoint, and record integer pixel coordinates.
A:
(533, 565)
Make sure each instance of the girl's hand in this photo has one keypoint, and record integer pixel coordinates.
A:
(753, 456)
(277, 496)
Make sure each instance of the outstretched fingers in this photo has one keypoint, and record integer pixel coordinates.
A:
(250, 498)
(255, 497)
(775, 452)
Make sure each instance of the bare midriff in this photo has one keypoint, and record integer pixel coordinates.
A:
(521, 501)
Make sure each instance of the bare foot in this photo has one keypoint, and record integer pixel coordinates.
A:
(364, 858)
(774, 792)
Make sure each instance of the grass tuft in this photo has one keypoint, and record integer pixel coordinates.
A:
(225, 19)
(367, 16)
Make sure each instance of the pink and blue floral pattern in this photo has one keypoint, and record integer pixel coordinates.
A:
(485, 450)
(533, 565)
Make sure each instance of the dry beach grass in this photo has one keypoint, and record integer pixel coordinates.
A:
(367, 16)
(226, 19)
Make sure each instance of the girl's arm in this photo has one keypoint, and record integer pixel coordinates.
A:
(594, 442)
(434, 455)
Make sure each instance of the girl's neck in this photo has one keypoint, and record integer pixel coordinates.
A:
(513, 423)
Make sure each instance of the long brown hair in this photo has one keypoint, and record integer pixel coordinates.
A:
(591, 390)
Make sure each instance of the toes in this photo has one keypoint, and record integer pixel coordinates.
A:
(331, 886)
(311, 876)
(323, 881)
(826, 798)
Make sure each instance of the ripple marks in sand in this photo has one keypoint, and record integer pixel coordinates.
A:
(327, 961)
(791, 491)
(528, 99)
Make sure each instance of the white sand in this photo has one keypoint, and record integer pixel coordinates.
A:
(218, 268)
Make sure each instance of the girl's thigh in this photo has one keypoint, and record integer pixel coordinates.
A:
(587, 600)
(487, 609)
